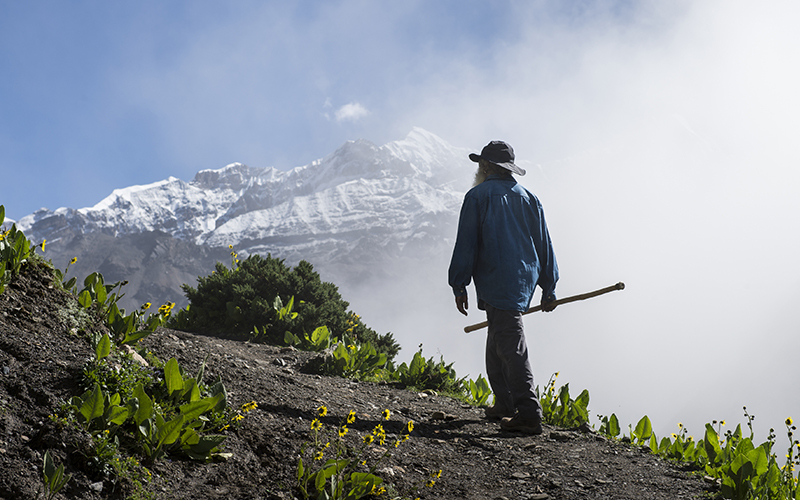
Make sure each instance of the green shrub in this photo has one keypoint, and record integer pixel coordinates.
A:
(236, 301)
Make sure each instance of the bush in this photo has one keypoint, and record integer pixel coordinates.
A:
(235, 301)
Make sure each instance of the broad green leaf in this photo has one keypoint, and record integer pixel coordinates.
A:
(92, 406)
(300, 469)
(84, 299)
(193, 410)
(319, 481)
(172, 376)
(117, 415)
(170, 431)
(613, 425)
(49, 467)
(100, 292)
(711, 444)
(103, 347)
(145, 410)
(758, 457)
(115, 399)
(644, 428)
(191, 392)
(207, 443)
(130, 338)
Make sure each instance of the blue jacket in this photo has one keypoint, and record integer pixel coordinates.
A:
(503, 244)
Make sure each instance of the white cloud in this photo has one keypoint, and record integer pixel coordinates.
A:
(351, 112)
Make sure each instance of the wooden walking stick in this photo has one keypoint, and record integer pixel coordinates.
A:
(565, 300)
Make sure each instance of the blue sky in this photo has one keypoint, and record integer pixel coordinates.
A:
(101, 95)
(660, 136)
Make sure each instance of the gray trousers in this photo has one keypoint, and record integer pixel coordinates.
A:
(507, 366)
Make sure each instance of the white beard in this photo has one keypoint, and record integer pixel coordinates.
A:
(480, 176)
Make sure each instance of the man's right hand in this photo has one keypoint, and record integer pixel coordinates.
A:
(461, 304)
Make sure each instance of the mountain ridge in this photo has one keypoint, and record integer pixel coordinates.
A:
(355, 214)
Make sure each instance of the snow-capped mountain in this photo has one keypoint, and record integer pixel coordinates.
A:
(350, 214)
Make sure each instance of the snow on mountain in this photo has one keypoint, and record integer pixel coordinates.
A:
(351, 210)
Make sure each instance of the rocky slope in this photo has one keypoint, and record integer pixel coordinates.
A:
(41, 362)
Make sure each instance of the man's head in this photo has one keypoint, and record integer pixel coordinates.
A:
(498, 153)
(486, 169)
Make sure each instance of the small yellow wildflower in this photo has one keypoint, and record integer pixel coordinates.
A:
(146, 306)
(410, 425)
(351, 417)
(386, 414)
(674, 436)
(430, 483)
(789, 421)
(322, 411)
(316, 425)
(343, 430)
(247, 407)
(43, 242)
(238, 418)
(74, 260)
(368, 439)
(318, 456)
(680, 425)
(437, 475)
(230, 246)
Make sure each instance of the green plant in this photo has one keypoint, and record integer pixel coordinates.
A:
(479, 390)
(69, 285)
(428, 374)
(345, 474)
(561, 410)
(15, 249)
(358, 361)
(54, 477)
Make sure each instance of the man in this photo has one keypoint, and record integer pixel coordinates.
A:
(503, 245)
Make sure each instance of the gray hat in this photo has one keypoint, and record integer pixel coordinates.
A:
(499, 153)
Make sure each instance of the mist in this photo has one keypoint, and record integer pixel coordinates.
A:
(663, 149)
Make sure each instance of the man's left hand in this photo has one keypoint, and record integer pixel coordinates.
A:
(548, 305)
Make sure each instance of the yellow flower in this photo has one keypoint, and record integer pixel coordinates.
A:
(674, 436)
(368, 439)
(410, 425)
(318, 456)
(322, 411)
(316, 425)
(789, 421)
(146, 306)
(386, 414)
(252, 405)
(43, 242)
(230, 246)
(680, 425)
(238, 418)
(430, 483)
(437, 475)
(722, 422)
(342, 431)
(351, 417)
(74, 260)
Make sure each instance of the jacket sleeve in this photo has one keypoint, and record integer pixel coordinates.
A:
(548, 274)
(465, 251)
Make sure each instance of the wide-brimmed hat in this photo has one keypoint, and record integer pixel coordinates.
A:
(499, 153)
